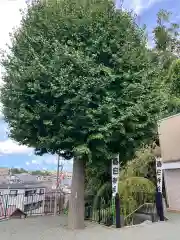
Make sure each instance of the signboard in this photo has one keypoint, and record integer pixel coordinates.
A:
(159, 174)
(115, 175)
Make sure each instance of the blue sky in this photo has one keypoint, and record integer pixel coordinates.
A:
(13, 155)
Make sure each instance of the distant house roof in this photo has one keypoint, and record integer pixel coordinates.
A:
(3, 179)
(26, 177)
(29, 185)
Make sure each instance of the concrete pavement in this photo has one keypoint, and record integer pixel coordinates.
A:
(53, 228)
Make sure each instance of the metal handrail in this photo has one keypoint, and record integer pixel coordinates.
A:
(137, 210)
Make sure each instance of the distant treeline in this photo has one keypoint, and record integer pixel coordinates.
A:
(35, 172)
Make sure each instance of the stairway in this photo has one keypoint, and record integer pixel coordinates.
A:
(146, 212)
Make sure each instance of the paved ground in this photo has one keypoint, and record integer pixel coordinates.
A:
(53, 228)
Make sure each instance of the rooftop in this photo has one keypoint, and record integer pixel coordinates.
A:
(28, 185)
(26, 177)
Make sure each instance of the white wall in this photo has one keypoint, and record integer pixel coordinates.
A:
(172, 184)
(12, 200)
(171, 165)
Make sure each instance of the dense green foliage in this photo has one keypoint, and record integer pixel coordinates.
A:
(96, 176)
(136, 182)
(166, 34)
(174, 85)
(80, 81)
(165, 53)
(142, 165)
(40, 173)
(18, 170)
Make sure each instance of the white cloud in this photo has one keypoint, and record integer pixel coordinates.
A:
(10, 18)
(34, 162)
(138, 6)
(38, 160)
(70, 161)
(11, 147)
(47, 162)
(30, 154)
(50, 160)
(3, 131)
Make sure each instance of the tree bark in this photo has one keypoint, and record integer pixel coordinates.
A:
(76, 203)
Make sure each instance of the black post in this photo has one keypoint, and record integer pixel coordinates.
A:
(159, 206)
(87, 211)
(99, 209)
(6, 205)
(117, 209)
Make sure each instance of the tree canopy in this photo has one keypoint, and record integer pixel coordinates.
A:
(166, 33)
(79, 80)
(166, 54)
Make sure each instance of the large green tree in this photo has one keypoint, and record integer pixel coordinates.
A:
(79, 82)
(166, 33)
(173, 82)
(166, 52)
(166, 38)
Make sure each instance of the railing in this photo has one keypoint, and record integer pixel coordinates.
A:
(146, 209)
(124, 210)
(119, 211)
(35, 204)
(137, 207)
(102, 211)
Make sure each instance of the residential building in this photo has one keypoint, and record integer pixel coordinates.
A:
(3, 179)
(27, 197)
(169, 136)
(27, 177)
(67, 179)
(43, 178)
(22, 178)
(4, 171)
(69, 175)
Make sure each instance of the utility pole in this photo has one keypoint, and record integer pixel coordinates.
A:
(59, 170)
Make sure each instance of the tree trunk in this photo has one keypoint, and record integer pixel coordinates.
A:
(76, 204)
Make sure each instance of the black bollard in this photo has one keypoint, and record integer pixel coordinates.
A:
(159, 206)
(117, 207)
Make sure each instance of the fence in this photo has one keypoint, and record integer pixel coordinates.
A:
(32, 205)
(127, 210)
(118, 211)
